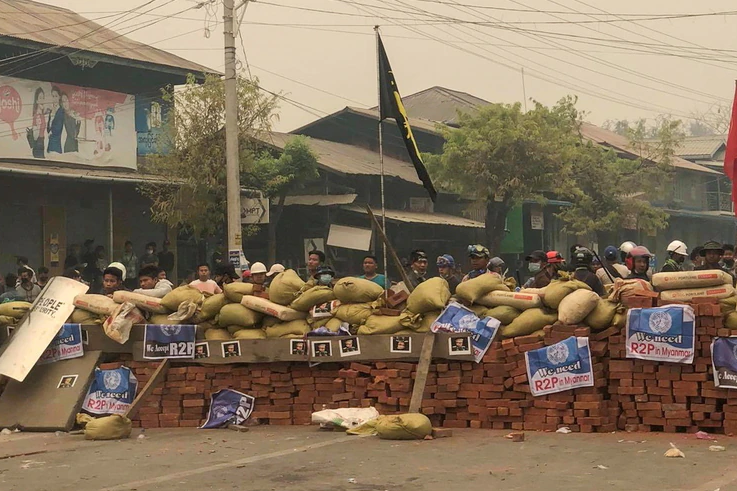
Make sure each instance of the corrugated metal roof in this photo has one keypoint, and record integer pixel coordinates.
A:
(348, 159)
(416, 123)
(426, 218)
(609, 138)
(701, 147)
(55, 26)
(91, 174)
(441, 104)
(320, 200)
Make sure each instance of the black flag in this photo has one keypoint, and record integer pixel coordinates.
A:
(390, 106)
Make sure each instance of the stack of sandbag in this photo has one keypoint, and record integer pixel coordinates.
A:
(359, 300)
(241, 322)
(684, 286)
(424, 305)
(472, 291)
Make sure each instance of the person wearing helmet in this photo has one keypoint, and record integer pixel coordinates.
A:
(418, 267)
(625, 249)
(478, 255)
(497, 266)
(638, 260)
(677, 253)
(324, 276)
(543, 273)
(611, 269)
(712, 254)
(582, 261)
(446, 265)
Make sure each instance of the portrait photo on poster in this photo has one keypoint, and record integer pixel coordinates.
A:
(321, 349)
(231, 349)
(459, 345)
(400, 344)
(201, 350)
(67, 381)
(350, 347)
(298, 347)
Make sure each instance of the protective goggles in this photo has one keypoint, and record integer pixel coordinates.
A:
(477, 250)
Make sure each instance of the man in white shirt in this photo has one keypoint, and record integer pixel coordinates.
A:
(151, 285)
(204, 283)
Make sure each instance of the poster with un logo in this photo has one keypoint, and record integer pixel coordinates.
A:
(661, 334)
(562, 366)
(111, 391)
(163, 341)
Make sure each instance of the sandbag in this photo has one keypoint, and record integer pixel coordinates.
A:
(333, 324)
(268, 307)
(269, 321)
(217, 335)
(504, 314)
(317, 295)
(113, 427)
(601, 317)
(285, 287)
(628, 288)
(181, 294)
(528, 322)
(354, 313)
(162, 319)
(249, 334)
(80, 316)
(357, 290)
(472, 290)
(715, 292)
(318, 323)
(118, 326)
(413, 426)
(427, 321)
(99, 304)
(234, 291)
(235, 314)
(143, 302)
(184, 313)
(576, 306)
(202, 328)
(429, 295)
(730, 321)
(479, 310)
(10, 321)
(211, 307)
(557, 290)
(296, 328)
(620, 320)
(518, 300)
(728, 304)
(410, 320)
(381, 324)
(686, 280)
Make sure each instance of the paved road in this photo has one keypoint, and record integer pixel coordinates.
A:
(306, 459)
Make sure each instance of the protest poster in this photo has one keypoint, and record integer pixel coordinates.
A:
(455, 318)
(111, 391)
(66, 344)
(228, 407)
(724, 362)
(168, 341)
(661, 334)
(482, 336)
(559, 367)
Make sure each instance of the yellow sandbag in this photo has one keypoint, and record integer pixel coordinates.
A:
(202, 328)
(429, 295)
(114, 427)
(250, 334)
(427, 321)
(333, 324)
(528, 322)
(268, 307)
(317, 295)
(269, 321)
(10, 321)
(83, 418)
(686, 280)
(80, 316)
(181, 294)
(238, 315)
(479, 310)
(472, 290)
(317, 323)
(728, 304)
(297, 327)
(518, 300)
(730, 321)
(504, 314)
(620, 320)
(211, 306)
(410, 320)
(162, 319)
(18, 309)
(715, 292)
(285, 287)
(413, 426)
(557, 290)
(217, 335)
(628, 288)
(356, 290)
(576, 306)
(601, 317)
(354, 313)
(234, 291)
(99, 304)
(143, 302)
(381, 324)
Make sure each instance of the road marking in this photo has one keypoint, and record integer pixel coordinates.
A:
(225, 465)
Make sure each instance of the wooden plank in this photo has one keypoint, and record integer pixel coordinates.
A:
(158, 376)
(423, 368)
(391, 250)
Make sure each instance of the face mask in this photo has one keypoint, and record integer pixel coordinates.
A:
(534, 267)
(150, 251)
(325, 279)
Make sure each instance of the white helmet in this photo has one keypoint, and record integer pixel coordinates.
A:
(626, 247)
(120, 267)
(677, 247)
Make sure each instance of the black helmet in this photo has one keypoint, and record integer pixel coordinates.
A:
(324, 270)
(582, 257)
(497, 262)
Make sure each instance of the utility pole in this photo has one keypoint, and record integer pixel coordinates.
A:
(232, 166)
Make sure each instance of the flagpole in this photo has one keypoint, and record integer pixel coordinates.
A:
(381, 154)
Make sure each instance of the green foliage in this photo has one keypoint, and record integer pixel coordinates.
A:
(290, 171)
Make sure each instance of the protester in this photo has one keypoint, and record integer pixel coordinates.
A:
(22, 262)
(417, 267)
(203, 283)
(446, 265)
(370, 265)
(11, 291)
(611, 269)
(151, 285)
(273, 271)
(325, 276)
(166, 258)
(582, 262)
(162, 275)
(112, 281)
(625, 249)
(677, 254)
(150, 258)
(315, 259)
(43, 276)
(216, 259)
(542, 272)
(712, 253)
(73, 260)
(696, 259)
(130, 261)
(89, 261)
(258, 273)
(478, 255)
(226, 274)
(638, 261)
(73, 274)
(497, 266)
(728, 258)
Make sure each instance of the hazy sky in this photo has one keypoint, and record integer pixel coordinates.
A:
(639, 67)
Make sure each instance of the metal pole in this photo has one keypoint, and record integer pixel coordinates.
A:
(233, 196)
(110, 223)
(381, 156)
(524, 91)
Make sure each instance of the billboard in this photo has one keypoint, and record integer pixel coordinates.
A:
(66, 123)
(151, 114)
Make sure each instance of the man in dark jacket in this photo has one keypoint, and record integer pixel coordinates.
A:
(418, 267)
(677, 253)
(582, 260)
(543, 273)
(712, 254)
(447, 270)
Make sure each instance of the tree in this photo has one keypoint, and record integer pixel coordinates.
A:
(192, 155)
(500, 156)
(278, 177)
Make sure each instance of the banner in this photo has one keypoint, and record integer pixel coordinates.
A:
(66, 123)
(151, 115)
(168, 341)
(661, 334)
(562, 366)
(111, 392)
(724, 362)
(228, 407)
(455, 318)
(66, 344)
(482, 336)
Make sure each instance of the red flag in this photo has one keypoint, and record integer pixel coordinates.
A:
(730, 155)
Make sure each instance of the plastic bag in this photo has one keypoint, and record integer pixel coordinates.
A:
(118, 326)
(345, 417)
(186, 310)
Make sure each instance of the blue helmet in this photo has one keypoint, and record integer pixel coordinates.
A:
(446, 260)
(610, 253)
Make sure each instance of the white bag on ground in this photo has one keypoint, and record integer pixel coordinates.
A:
(349, 417)
(98, 304)
(576, 306)
(143, 302)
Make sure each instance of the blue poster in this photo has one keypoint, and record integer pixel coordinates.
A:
(455, 318)
(724, 362)
(66, 344)
(661, 334)
(151, 114)
(228, 407)
(559, 367)
(482, 336)
(111, 391)
(164, 341)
